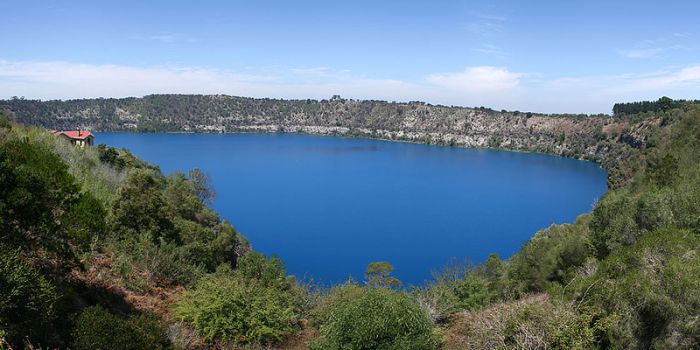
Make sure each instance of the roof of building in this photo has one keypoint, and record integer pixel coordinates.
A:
(73, 134)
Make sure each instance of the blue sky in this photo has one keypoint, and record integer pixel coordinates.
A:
(545, 56)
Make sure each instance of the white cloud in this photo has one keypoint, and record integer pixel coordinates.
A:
(496, 87)
(61, 80)
(669, 80)
(481, 79)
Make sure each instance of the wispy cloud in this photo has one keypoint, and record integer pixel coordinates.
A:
(169, 38)
(658, 47)
(682, 34)
(61, 80)
(491, 50)
(482, 79)
(485, 24)
(666, 80)
(650, 52)
(497, 87)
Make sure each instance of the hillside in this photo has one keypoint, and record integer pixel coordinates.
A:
(609, 141)
(99, 249)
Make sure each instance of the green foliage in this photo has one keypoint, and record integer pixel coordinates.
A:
(662, 104)
(110, 155)
(459, 288)
(662, 170)
(613, 224)
(40, 204)
(623, 276)
(649, 292)
(269, 272)
(379, 319)
(145, 264)
(87, 220)
(232, 309)
(27, 300)
(141, 207)
(550, 257)
(379, 274)
(98, 329)
(4, 120)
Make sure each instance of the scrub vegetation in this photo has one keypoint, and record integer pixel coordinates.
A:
(100, 250)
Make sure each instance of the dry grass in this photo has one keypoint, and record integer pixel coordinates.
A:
(533, 322)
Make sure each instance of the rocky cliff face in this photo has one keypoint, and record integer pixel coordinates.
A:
(604, 139)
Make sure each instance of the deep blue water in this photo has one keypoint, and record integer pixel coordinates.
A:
(330, 205)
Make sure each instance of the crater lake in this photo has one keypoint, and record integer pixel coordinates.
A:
(328, 206)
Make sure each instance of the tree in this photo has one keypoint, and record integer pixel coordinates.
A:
(140, 207)
(202, 185)
(665, 103)
(41, 206)
(379, 274)
(110, 156)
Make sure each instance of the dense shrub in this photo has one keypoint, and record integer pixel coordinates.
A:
(110, 155)
(231, 309)
(98, 329)
(649, 291)
(268, 272)
(145, 265)
(41, 207)
(164, 233)
(551, 256)
(378, 318)
(27, 300)
(141, 207)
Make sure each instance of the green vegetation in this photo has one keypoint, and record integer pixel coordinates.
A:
(27, 299)
(90, 228)
(375, 318)
(98, 329)
(662, 104)
(379, 274)
(234, 309)
(99, 249)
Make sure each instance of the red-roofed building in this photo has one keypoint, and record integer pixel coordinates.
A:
(76, 137)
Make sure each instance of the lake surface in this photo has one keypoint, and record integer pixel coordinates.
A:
(330, 205)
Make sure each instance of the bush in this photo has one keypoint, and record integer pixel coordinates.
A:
(145, 265)
(98, 329)
(377, 318)
(141, 207)
(27, 300)
(38, 196)
(550, 257)
(232, 309)
(649, 291)
(530, 323)
(269, 272)
(459, 288)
